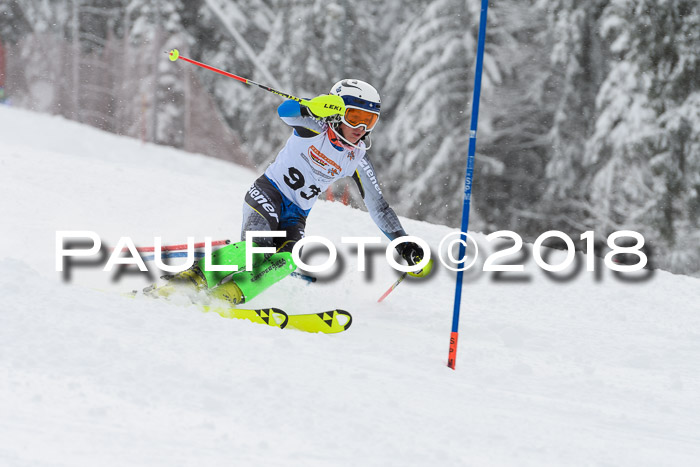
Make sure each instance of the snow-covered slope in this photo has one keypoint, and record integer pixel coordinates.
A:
(581, 372)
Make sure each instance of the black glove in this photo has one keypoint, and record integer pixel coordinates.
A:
(411, 252)
(305, 112)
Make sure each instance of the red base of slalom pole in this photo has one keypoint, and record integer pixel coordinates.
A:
(452, 357)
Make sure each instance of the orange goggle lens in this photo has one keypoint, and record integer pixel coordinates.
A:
(355, 117)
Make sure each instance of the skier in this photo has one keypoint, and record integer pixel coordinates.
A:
(330, 138)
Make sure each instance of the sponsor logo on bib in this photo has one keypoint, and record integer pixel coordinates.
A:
(320, 159)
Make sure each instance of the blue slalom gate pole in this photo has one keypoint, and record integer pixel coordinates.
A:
(468, 181)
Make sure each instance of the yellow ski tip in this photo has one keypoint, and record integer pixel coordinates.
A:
(174, 55)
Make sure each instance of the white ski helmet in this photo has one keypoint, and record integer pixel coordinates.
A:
(362, 103)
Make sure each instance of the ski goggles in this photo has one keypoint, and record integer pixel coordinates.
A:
(355, 117)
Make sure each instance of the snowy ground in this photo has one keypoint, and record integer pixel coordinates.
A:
(580, 372)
